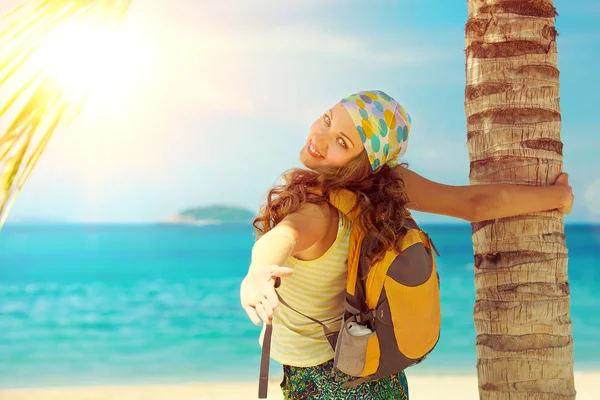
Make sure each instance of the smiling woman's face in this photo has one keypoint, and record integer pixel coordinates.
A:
(332, 140)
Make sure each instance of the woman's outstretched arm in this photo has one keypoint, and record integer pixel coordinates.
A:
(295, 233)
(483, 202)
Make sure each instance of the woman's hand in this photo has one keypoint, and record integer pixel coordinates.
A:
(563, 182)
(257, 292)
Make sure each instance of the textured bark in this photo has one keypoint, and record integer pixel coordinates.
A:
(524, 339)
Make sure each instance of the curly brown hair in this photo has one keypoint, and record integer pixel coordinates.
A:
(381, 200)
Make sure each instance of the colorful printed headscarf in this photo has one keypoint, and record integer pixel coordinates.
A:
(382, 123)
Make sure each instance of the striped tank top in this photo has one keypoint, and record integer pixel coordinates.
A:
(317, 289)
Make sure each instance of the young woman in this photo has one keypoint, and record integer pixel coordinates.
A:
(356, 145)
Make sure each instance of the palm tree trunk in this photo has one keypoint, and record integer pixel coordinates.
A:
(522, 322)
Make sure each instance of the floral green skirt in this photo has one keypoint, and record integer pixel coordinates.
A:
(313, 383)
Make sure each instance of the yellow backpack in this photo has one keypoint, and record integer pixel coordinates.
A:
(392, 313)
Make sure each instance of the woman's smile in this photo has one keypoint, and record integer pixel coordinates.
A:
(312, 150)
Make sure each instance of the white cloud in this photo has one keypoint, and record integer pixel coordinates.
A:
(251, 71)
(592, 199)
(306, 41)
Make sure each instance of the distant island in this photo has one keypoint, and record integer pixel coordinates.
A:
(211, 215)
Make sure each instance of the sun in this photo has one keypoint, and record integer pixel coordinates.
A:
(88, 57)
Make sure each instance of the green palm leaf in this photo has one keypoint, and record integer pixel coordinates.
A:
(32, 98)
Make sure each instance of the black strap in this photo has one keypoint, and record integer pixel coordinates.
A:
(330, 335)
(432, 245)
(265, 358)
(325, 328)
(263, 382)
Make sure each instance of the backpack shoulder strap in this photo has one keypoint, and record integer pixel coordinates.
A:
(345, 201)
(342, 199)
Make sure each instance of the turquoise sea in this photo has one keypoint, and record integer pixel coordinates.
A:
(115, 304)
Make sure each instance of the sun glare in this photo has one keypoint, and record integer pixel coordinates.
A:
(89, 57)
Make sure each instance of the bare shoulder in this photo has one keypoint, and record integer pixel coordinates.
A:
(310, 212)
(308, 225)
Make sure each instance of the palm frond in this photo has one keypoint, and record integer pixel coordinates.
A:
(30, 94)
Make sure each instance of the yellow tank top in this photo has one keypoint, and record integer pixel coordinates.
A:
(317, 289)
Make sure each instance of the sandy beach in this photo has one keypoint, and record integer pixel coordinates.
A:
(421, 388)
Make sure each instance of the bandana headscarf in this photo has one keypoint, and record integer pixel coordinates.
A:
(383, 125)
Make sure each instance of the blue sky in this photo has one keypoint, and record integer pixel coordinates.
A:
(214, 101)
